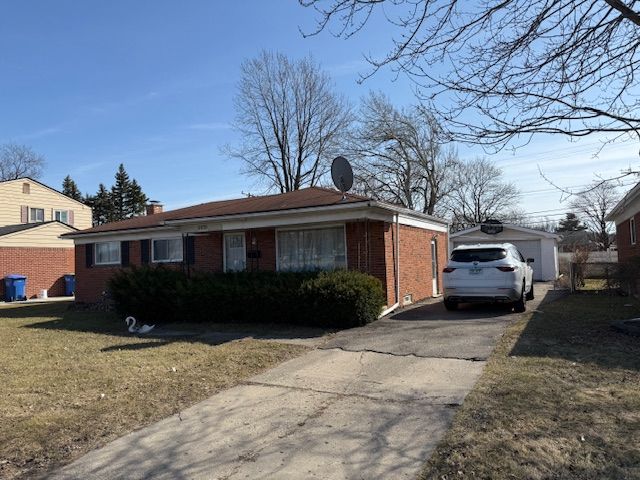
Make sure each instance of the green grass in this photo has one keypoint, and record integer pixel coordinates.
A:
(73, 381)
(559, 399)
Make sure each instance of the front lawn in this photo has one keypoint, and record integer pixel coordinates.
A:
(73, 381)
(559, 399)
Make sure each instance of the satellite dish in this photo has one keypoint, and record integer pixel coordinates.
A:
(342, 174)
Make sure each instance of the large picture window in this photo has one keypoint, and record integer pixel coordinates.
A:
(167, 250)
(311, 249)
(235, 254)
(107, 253)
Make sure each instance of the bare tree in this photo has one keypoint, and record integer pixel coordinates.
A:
(483, 195)
(510, 68)
(17, 161)
(401, 158)
(290, 121)
(593, 205)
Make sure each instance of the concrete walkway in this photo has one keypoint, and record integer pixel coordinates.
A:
(371, 403)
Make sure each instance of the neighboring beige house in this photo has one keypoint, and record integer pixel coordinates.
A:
(32, 218)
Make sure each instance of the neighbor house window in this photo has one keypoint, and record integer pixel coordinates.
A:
(632, 230)
(312, 249)
(36, 215)
(107, 253)
(61, 216)
(235, 253)
(167, 250)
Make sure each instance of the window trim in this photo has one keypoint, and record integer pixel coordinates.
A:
(632, 230)
(55, 211)
(314, 227)
(36, 221)
(153, 250)
(95, 253)
(224, 249)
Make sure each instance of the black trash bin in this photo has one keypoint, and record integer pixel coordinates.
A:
(69, 285)
(15, 288)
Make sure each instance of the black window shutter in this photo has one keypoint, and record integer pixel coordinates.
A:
(191, 250)
(144, 251)
(88, 253)
(124, 254)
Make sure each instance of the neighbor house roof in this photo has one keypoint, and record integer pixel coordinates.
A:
(23, 179)
(530, 231)
(21, 227)
(630, 197)
(299, 200)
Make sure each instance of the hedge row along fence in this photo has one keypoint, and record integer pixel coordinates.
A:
(326, 299)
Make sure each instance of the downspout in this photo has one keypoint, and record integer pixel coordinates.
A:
(396, 270)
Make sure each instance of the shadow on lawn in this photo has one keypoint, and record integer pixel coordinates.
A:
(578, 329)
(109, 323)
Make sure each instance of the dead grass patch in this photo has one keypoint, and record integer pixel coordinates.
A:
(73, 381)
(559, 399)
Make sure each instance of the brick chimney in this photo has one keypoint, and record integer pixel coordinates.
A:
(154, 207)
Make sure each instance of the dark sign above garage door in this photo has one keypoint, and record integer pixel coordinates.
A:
(491, 227)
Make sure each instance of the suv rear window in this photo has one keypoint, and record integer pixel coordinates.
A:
(478, 255)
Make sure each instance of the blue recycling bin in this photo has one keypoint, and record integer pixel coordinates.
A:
(69, 285)
(15, 288)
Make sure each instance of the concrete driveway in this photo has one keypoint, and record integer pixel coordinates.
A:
(371, 402)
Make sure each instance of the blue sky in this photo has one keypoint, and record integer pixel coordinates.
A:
(150, 83)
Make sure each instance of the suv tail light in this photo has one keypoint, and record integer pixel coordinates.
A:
(507, 268)
(448, 270)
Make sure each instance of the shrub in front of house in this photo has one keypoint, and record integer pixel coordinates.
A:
(343, 298)
(329, 299)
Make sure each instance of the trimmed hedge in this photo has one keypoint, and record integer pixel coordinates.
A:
(328, 299)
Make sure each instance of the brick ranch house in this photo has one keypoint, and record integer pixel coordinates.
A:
(313, 228)
(626, 216)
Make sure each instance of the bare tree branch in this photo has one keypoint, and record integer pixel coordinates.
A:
(17, 161)
(499, 71)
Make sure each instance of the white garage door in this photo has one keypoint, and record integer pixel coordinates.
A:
(531, 249)
(528, 248)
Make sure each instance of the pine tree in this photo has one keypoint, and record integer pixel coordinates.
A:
(135, 200)
(571, 223)
(70, 189)
(119, 192)
(101, 205)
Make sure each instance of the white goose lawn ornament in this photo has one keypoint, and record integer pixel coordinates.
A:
(131, 323)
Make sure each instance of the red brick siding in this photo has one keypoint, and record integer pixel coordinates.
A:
(263, 240)
(415, 261)
(43, 267)
(623, 240)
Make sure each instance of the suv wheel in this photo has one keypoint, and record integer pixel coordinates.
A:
(520, 305)
(530, 293)
(449, 305)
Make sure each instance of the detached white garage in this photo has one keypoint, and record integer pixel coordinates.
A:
(541, 246)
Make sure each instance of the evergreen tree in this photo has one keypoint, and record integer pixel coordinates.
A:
(135, 200)
(101, 205)
(119, 193)
(70, 189)
(571, 223)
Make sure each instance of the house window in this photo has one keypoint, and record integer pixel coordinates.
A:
(36, 215)
(61, 216)
(167, 250)
(632, 230)
(235, 254)
(26, 188)
(312, 249)
(107, 253)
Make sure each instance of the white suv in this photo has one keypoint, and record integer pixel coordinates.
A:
(488, 273)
